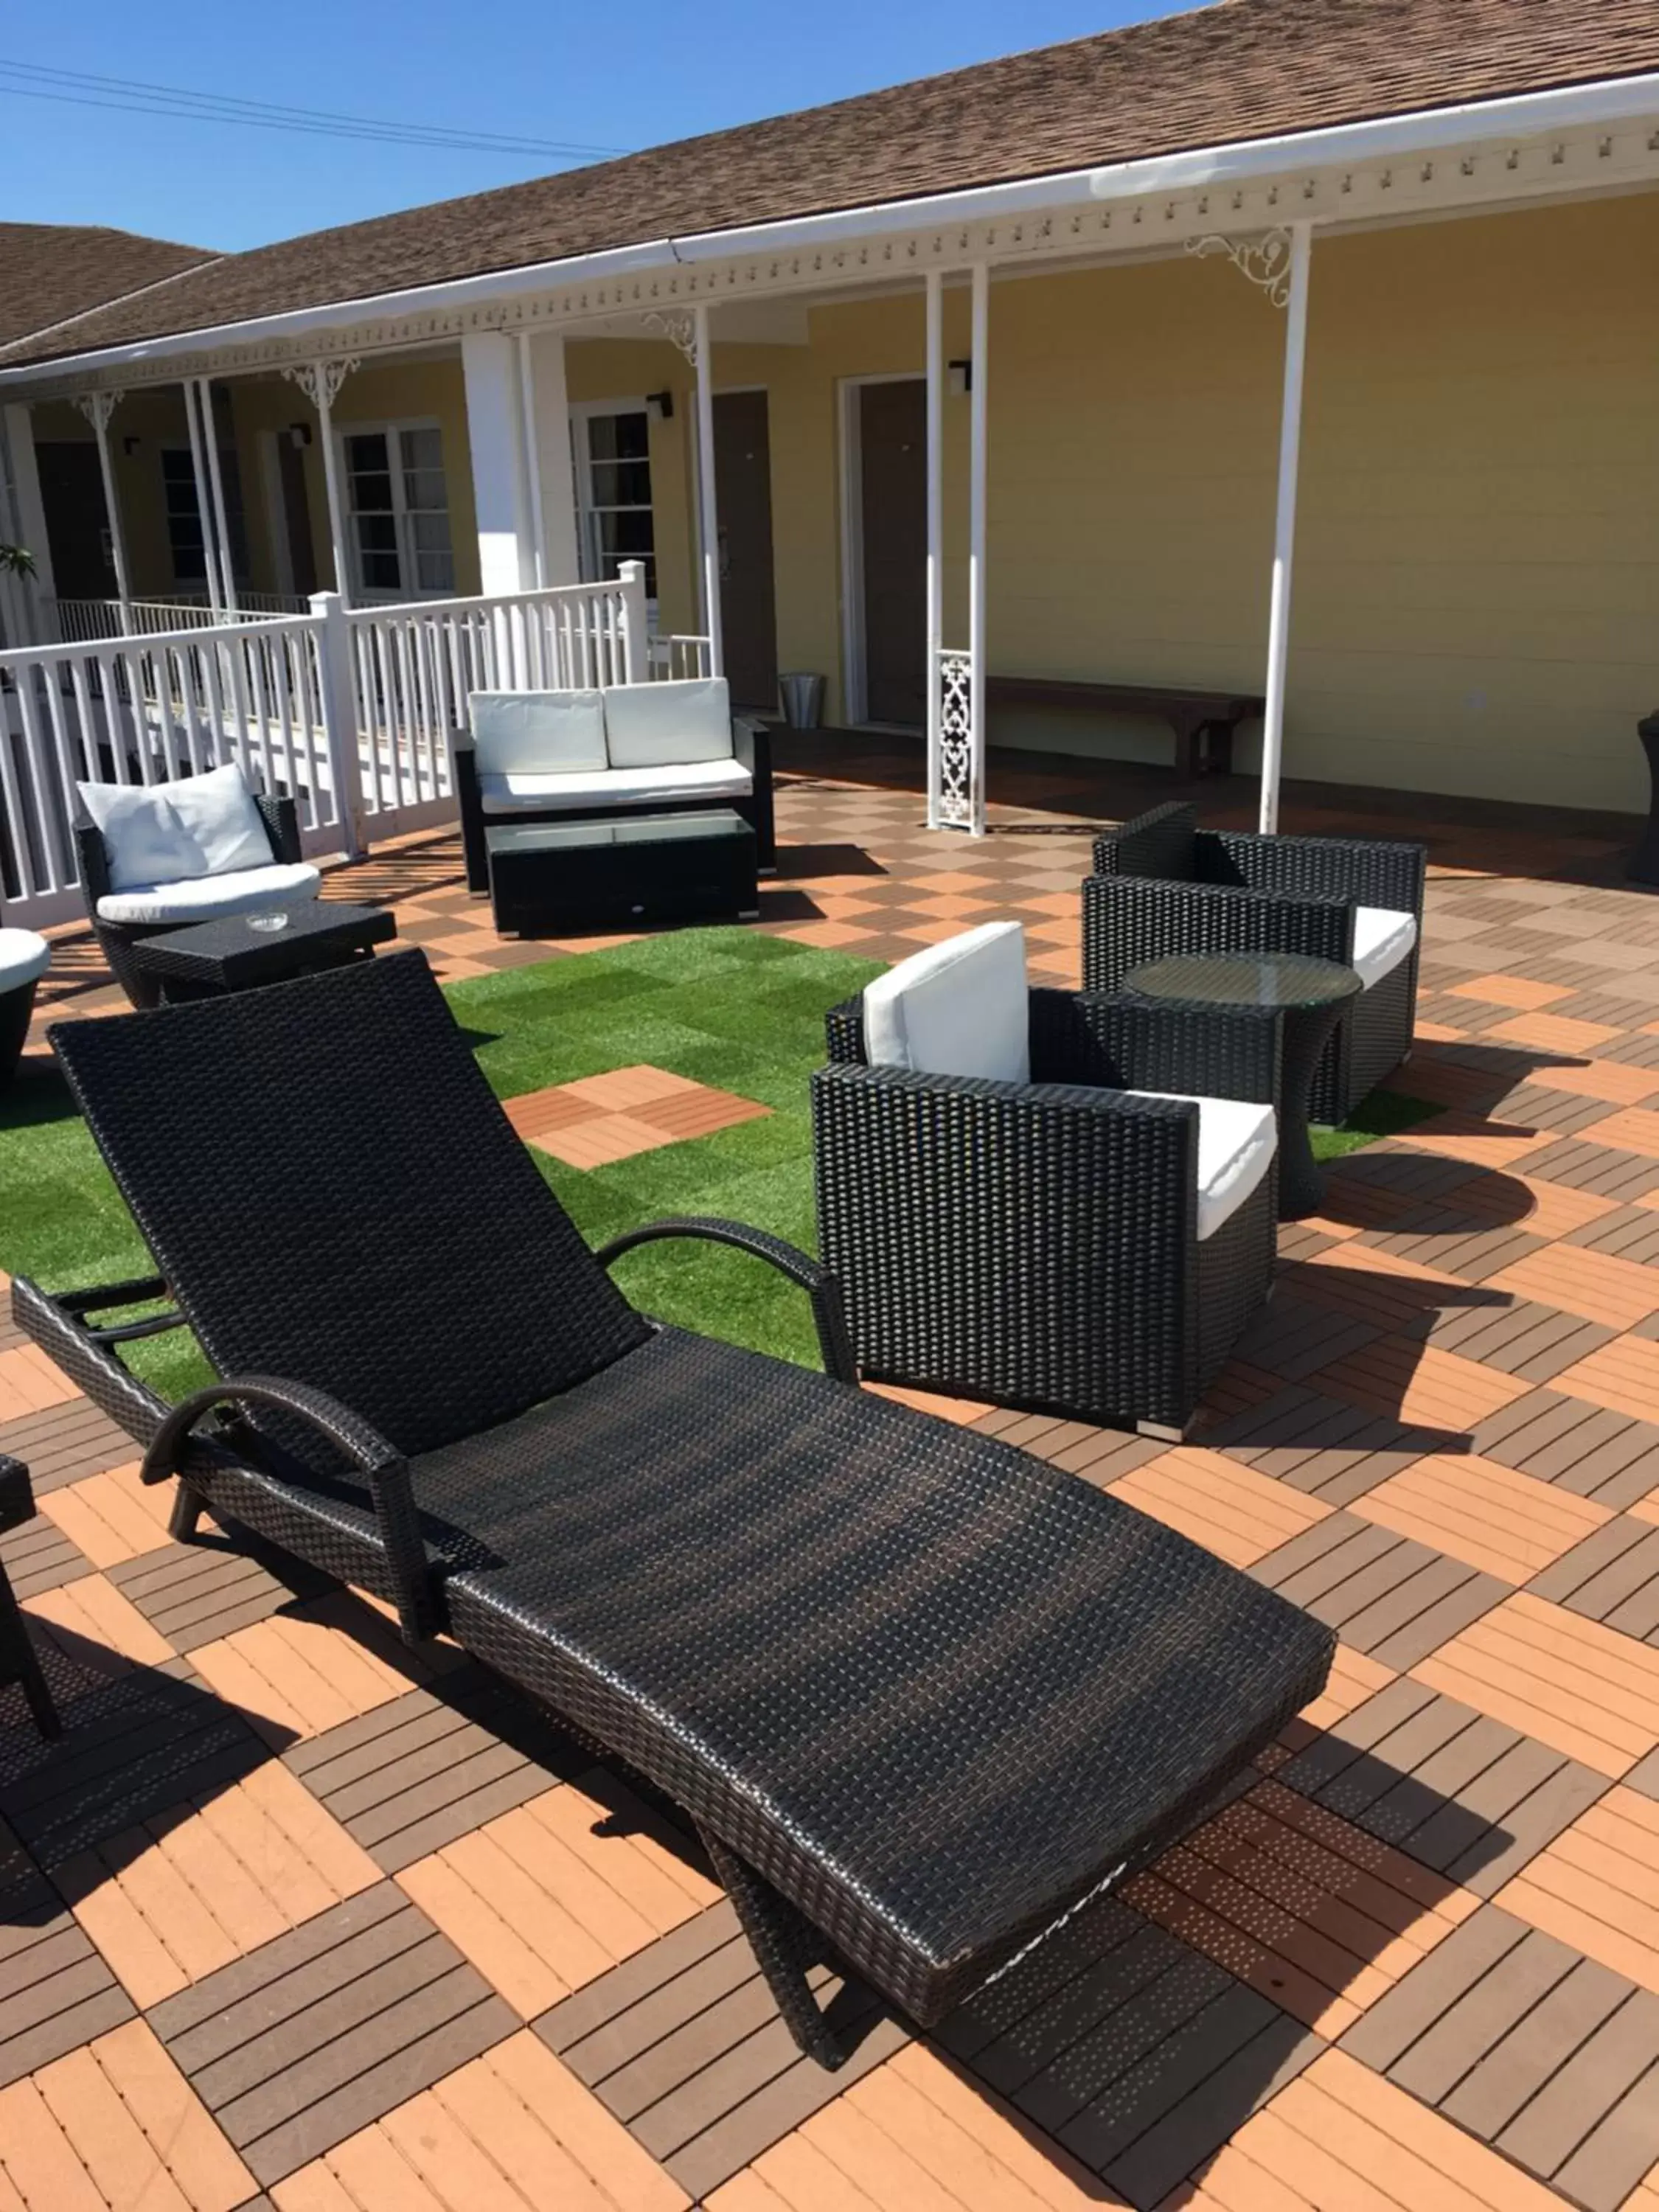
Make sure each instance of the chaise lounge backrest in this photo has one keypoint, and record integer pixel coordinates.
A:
(329, 1186)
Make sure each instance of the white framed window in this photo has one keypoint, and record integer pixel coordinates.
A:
(397, 510)
(183, 516)
(611, 442)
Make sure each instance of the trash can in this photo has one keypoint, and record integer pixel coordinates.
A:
(803, 699)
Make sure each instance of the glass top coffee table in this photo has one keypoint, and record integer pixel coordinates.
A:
(1311, 995)
(547, 878)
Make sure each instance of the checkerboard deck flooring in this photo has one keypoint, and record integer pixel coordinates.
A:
(295, 1918)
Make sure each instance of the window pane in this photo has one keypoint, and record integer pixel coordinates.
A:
(422, 449)
(377, 533)
(424, 488)
(625, 532)
(622, 484)
(434, 571)
(381, 572)
(366, 449)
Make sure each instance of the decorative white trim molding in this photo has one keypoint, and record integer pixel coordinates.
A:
(321, 381)
(1264, 262)
(99, 406)
(678, 325)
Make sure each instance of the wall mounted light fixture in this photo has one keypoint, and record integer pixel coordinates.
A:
(659, 406)
(959, 378)
(299, 434)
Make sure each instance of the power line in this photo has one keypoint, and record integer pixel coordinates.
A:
(135, 96)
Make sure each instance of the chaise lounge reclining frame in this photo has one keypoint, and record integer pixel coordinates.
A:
(918, 1692)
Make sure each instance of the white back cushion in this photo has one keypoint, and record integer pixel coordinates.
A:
(169, 833)
(537, 733)
(656, 725)
(959, 1008)
(1382, 939)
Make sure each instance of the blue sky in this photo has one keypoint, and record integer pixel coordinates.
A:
(619, 76)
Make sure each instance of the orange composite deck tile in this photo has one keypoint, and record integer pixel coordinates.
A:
(1415, 1384)
(299, 1673)
(112, 1517)
(1305, 1908)
(114, 2127)
(512, 2131)
(1636, 1129)
(1508, 991)
(541, 1901)
(1556, 1209)
(1597, 1887)
(1623, 1376)
(1553, 1033)
(92, 1611)
(1597, 1285)
(1342, 2139)
(1354, 1676)
(29, 1383)
(172, 1902)
(1506, 1524)
(1582, 1688)
(1599, 1078)
(1483, 1142)
(1231, 1510)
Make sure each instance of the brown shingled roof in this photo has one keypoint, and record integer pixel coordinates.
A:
(50, 271)
(1244, 69)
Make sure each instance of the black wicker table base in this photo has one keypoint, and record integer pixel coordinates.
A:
(1311, 995)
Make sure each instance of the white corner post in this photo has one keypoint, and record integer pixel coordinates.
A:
(552, 477)
(532, 460)
(1289, 449)
(98, 407)
(204, 498)
(709, 519)
(320, 382)
(338, 683)
(934, 294)
(635, 618)
(979, 353)
(216, 480)
(501, 479)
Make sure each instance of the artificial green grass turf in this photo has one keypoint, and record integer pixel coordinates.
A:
(726, 1007)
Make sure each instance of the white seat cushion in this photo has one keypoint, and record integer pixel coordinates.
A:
(1382, 939)
(1236, 1139)
(959, 1008)
(169, 833)
(537, 733)
(651, 725)
(24, 959)
(205, 898)
(616, 787)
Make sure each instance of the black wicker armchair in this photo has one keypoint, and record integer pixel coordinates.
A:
(24, 959)
(918, 1692)
(1163, 885)
(1038, 1245)
(117, 937)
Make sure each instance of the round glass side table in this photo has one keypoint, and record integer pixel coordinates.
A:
(1311, 995)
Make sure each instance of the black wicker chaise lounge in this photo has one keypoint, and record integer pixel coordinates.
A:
(918, 1692)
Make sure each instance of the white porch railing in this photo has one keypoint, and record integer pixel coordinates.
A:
(70, 622)
(675, 656)
(350, 713)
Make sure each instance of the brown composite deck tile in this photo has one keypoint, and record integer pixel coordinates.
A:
(1613, 1576)
(1623, 1177)
(314, 2036)
(682, 2044)
(1332, 1450)
(1531, 2047)
(1296, 1336)
(1617, 1083)
(1622, 1376)
(1531, 1341)
(39, 1556)
(1629, 1232)
(1466, 1795)
(1395, 1167)
(1401, 1376)
(1592, 1450)
(410, 1777)
(65, 1442)
(1388, 1596)
(57, 1991)
(194, 1594)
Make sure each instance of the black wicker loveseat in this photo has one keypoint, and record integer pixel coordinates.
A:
(918, 1692)
(1163, 885)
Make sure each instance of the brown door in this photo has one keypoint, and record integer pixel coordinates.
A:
(742, 492)
(296, 514)
(893, 504)
(77, 526)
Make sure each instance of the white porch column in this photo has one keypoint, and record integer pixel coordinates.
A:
(501, 487)
(98, 407)
(215, 479)
(320, 382)
(553, 481)
(979, 354)
(203, 497)
(29, 513)
(933, 283)
(1290, 446)
(708, 520)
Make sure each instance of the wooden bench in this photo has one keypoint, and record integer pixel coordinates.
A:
(1203, 721)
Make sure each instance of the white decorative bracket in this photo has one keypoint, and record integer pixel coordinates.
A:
(678, 327)
(321, 381)
(957, 801)
(1264, 261)
(99, 406)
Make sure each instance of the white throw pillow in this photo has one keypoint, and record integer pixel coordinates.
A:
(959, 1008)
(537, 733)
(168, 833)
(661, 725)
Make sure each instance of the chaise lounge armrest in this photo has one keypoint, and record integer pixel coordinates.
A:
(1358, 871)
(821, 1287)
(383, 1467)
